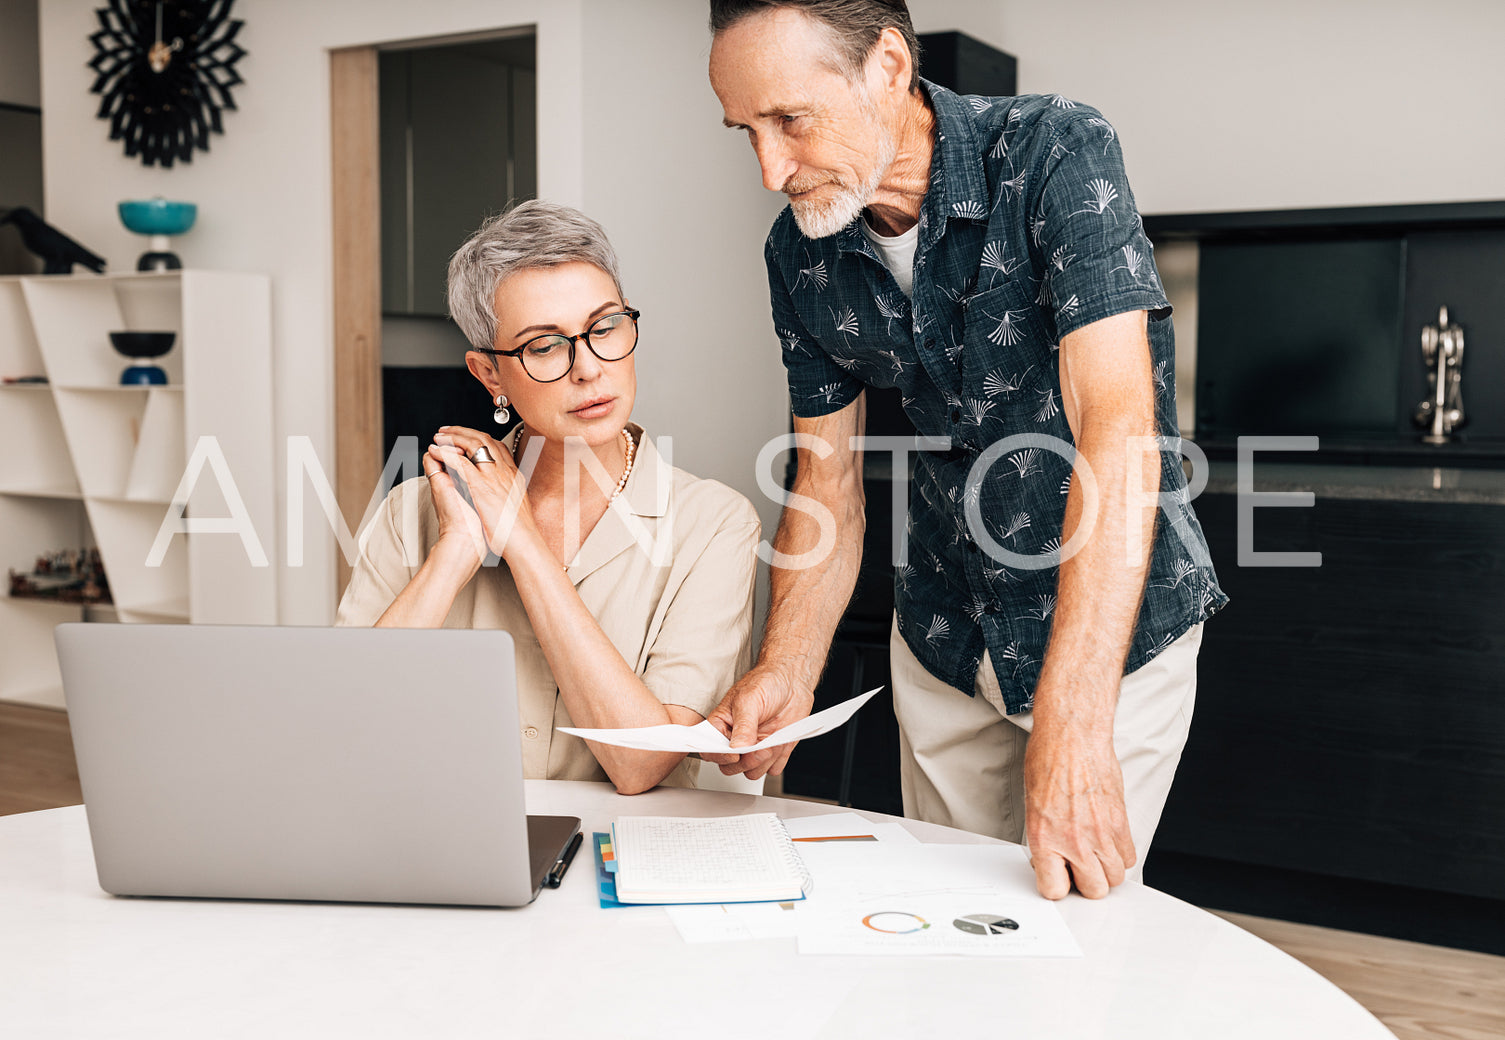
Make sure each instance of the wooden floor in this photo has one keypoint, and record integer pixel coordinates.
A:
(1420, 992)
(36, 760)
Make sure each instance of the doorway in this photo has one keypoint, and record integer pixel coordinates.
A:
(20, 181)
(430, 137)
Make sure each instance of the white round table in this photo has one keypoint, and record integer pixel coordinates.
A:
(76, 962)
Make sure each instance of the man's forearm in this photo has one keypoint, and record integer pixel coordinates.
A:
(806, 603)
(1098, 593)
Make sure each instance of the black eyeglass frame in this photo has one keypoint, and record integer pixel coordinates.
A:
(517, 352)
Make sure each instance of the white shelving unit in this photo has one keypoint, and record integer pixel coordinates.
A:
(88, 462)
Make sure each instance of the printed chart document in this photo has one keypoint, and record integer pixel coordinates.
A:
(705, 737)
(928, 900)
(880, 893)
(727, 859)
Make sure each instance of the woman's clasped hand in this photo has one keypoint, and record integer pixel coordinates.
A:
(479, 502)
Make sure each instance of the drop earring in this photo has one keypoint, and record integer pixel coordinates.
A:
(501, 415)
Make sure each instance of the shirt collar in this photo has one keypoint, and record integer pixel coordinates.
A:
(850, 239)
(647, 490)
(958, 187)
(956, 166)
(623, 525)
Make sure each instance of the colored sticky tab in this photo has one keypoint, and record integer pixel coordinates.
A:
(606, 879)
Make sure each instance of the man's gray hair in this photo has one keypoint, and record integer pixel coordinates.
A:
(854, 26)
(531, 234)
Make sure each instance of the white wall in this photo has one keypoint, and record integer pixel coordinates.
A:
(1277, 104)
(682, 199)
(20, 62)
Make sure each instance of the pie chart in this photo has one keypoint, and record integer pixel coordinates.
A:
(986, 924)
(895, 922)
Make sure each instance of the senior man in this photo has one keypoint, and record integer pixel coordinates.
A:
(985, 256)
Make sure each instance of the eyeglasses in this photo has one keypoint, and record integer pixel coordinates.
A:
(550, 357)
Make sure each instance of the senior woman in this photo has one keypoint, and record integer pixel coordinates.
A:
(627, 585)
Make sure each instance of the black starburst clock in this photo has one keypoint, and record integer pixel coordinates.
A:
(165, 72)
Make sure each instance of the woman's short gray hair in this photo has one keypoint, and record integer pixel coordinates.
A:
(529, 235)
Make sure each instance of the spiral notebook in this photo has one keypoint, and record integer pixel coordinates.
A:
(724, 859)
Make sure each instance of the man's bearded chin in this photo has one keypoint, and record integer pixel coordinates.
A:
(821, 217)
(836, 207)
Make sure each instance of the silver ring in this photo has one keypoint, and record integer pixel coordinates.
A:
(481, 454)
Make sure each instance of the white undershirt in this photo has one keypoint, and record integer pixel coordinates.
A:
(897, 253)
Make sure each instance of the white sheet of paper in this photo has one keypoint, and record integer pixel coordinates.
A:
(928, 900)
(707, 738)
(896, 899)
(728, 922)
(979, 922)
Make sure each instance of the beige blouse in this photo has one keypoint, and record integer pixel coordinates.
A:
(682, 621)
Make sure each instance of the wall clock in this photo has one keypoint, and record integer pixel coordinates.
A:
(165, 69)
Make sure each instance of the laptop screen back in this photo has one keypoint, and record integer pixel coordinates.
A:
(372, 765)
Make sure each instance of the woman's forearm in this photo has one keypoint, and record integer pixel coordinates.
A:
(425, 601)
(599, 690)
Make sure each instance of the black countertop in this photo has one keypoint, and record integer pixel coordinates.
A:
(1375, 451)
(1378, 470)
(1413, 483)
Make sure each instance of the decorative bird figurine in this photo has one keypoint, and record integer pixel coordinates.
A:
(58, 252)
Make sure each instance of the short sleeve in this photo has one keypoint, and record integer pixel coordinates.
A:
(817, 385)
(705, 641)
(383, 569)
(1098, 260)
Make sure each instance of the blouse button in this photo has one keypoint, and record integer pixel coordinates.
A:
(531, 732)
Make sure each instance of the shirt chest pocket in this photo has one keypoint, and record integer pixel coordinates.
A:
(1008, 361)
(1004, 320)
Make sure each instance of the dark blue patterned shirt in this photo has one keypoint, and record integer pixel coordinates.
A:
(1028, 232)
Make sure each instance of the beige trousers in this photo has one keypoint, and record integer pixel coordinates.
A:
(961, 759)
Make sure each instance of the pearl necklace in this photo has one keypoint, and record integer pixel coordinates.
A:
(629, 455)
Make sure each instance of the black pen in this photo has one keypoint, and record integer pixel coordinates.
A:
(556, 873)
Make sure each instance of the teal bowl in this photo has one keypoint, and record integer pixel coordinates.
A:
(158, 216)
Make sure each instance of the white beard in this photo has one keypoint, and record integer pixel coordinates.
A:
(819, 218)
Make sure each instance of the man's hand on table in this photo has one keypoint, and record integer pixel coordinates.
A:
(760, 703)
(1075, 820)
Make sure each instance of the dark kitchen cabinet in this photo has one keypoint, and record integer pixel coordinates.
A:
(1350, 718)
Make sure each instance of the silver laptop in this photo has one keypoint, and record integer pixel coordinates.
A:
(366, 765)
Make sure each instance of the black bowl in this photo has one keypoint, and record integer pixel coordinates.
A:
(143, 344)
